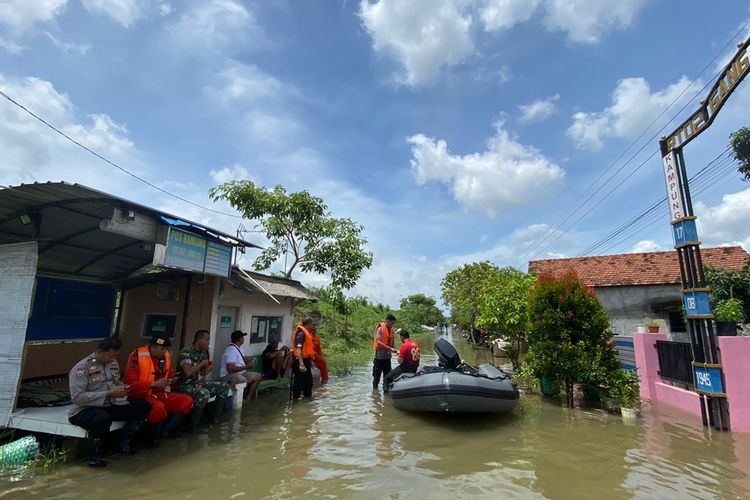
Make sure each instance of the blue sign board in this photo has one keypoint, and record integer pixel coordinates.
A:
(708, 380)
(185, 250)
(685, 232)
(696, 303)
(193, 252)
(218, 259)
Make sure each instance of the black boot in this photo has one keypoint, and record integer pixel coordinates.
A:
(194, 418)
(94, 453)
(217, 409)
(126, 436)
(169, 426)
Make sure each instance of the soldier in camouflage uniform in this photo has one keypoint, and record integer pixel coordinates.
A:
(99, 397)
(194, 364)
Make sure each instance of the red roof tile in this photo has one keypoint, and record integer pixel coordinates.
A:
(651, 268)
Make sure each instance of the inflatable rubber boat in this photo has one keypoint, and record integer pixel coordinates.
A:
(454, 386)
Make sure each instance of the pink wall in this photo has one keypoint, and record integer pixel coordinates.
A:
(652, 386)
(735, 354)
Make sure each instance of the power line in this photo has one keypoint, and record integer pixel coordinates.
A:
(651, 215)
(578, 206)
(710, 175)
(110, 162)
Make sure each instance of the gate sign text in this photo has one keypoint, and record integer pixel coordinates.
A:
(674, 189)
(733, 74)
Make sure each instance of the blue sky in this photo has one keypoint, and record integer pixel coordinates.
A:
(454, 130)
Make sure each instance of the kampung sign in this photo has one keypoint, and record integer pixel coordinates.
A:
(192, 252)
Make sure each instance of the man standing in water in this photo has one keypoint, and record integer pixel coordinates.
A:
(383, 339)
(304, 351)
(408, 360)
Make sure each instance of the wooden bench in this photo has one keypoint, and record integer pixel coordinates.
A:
(267, 384)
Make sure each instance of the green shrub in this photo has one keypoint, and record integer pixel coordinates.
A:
(729, 310)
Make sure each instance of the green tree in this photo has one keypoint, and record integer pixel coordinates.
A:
(461, 291)
(417, 310)
(740, 142)
(300, 224)
(569, 341)
(503, 307)
(727, 284)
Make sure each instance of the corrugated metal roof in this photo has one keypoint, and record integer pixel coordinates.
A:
(70, 241)
(650, 268)
(278, 287)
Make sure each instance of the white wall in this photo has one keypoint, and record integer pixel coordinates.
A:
(255, 305)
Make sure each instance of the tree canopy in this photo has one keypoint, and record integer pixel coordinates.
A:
(461, 289)
(503, 307)
(568, 335)
(740, 142)
(300, 224)
(417, 310)
(727, 284)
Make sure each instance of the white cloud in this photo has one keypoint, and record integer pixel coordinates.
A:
(31, 151)
(507, 174)
(67, 46)
(423, 36)
(726, 223)
(587, 21)
(242, 83)
(634, 107)
(646, 246)
(213, 26)
(539, 110)
(11, 47)
(124, 12)
(22, 15)
(235, 173)
(498, 15)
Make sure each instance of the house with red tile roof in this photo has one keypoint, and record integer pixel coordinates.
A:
(635, 286)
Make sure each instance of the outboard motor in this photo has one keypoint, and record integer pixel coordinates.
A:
(447, 354)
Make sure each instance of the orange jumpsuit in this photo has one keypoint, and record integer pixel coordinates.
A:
(139, 378)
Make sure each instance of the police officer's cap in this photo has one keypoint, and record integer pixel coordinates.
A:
(161, 340)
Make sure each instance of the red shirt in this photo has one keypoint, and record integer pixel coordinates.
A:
(409, 353)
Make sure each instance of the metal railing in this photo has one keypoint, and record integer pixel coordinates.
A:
(675, 362)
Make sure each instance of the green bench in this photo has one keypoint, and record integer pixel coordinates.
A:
(266, 385)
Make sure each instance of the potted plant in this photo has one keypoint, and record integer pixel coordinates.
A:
(652, 325)
(624, 388)
(728, 313)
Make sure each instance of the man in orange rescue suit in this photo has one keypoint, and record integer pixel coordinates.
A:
(149, 374)
(383, 344)
(408, 360)
(304, 351)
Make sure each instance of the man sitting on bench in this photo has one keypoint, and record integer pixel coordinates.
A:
(276, 362)
(100, 397)
(234, 365)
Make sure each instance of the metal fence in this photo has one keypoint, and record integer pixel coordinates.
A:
(675, 362)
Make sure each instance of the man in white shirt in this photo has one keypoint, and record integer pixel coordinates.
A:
(234, 365)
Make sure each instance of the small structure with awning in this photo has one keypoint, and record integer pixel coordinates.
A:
(79, 265)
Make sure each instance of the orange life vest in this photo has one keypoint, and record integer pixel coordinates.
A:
(146, 368)
(308, 350)
(386, 335)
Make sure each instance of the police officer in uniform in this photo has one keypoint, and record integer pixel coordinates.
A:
(99, 397)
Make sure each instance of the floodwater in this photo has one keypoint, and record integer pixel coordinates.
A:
(349, 441)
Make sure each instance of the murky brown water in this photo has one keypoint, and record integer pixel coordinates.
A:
(350, 442)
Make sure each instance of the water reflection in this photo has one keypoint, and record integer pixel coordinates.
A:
(349, 441)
